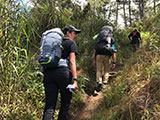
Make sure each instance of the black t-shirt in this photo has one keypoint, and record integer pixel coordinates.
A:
(69, 46)
(135, 36)
(61, 75)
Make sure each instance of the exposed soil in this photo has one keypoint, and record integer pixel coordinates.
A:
(92, 102)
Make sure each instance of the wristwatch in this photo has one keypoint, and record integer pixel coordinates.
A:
(74, 79)
(113, 62)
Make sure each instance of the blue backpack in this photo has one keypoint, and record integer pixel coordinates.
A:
(51, 49)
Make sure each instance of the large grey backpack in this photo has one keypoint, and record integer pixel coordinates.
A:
(104, 41)
(51, 49)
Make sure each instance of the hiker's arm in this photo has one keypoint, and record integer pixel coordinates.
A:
(72, 60)
(94, 58)
(129, 36)
(114, 61)
(140, 37)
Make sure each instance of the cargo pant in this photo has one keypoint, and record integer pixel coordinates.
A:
(55, 81)
(102, 68)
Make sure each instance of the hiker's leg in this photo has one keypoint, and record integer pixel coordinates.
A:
(134, 47)
(106, 69)
(51, 94)
(99, 67)
(66, 97)
(138, 44)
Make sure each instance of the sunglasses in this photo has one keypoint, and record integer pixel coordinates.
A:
(75, 33)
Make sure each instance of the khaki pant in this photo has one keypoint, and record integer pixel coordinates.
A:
(102, 68)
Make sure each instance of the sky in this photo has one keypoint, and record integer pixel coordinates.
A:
(26, 3)
(82, 3)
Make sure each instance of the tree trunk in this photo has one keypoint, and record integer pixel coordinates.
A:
(154, 6)
(142, 12)
(117, 14)
(141, 8)
(124, 11)
(130, 21)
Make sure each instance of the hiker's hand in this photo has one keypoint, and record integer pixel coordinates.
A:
(113, 66)
(76, 86)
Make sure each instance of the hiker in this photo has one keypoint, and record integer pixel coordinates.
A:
(136, 39)
(57, 79)
(104, 49)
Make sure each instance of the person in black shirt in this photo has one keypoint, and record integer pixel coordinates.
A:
(135, 35)
(57, 79)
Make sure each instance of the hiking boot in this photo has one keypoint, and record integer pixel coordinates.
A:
(99, 86)
(105, 82)
(104, 85)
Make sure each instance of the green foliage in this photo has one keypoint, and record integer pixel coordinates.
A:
(22, 92)
(122, 44)
(126, 98)
(20, 31)
(82, 82)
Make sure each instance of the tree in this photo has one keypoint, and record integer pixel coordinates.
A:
(124, 12)
(130, 12)
(154, 6)
(117, 12)
(141, 8)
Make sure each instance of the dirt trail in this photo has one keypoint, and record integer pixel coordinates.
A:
(92, 102)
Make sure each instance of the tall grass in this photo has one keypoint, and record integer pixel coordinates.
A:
(134, 94)
(20, 86)
(22, 92)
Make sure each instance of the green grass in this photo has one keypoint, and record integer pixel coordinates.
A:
(22, 92)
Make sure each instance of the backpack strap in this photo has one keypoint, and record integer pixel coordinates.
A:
(41, 48)
(134, 33)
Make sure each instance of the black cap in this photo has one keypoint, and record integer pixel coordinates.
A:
(135, 29)
(70, 28)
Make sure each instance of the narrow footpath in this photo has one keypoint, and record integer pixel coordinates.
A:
(92, 102)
